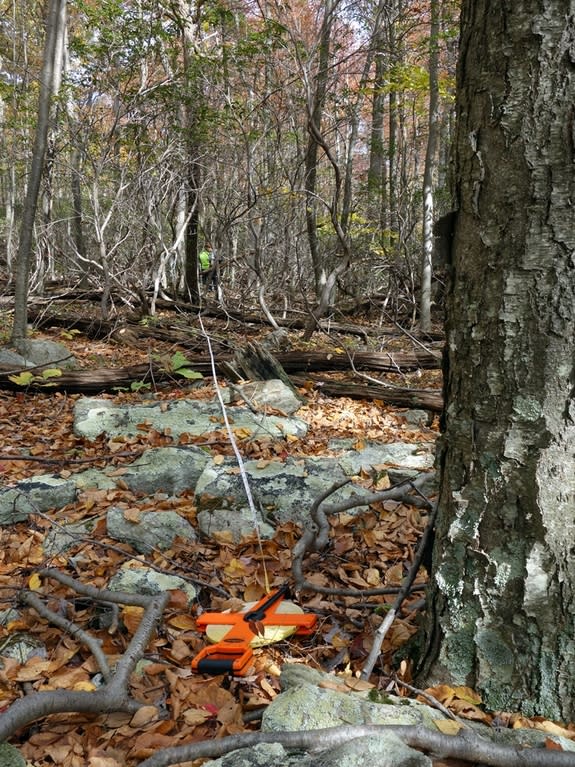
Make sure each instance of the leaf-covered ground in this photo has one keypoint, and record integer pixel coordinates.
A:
(372, 550)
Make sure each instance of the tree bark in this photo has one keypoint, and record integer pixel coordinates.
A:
(316, 103)
(503, 576)
(429, 170)
(49, 85)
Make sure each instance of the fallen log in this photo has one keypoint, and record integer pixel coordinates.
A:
(396, 362)
(153, 374)
(98, 328)
(426, 399)
(109, 379)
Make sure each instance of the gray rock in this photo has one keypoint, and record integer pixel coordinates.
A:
(238, 522)
(153, 529)
(417, 456)
(305, 704)
(171, 470)
(285, 490)
(60, 539)
(135, 579)
(96, 416)
(385, 750)
(94, 479)
(263, 395)
(417, 418)
(309, 708)
(48, 354)
(262, 755)
(11, 360)
(297, 674)
(35, 494)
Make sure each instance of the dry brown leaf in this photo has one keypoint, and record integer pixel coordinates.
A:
(144, 716)
(183, 621)
(372, 576)
(180, 650)
(104, 761)
(180, 600)
(133, 514)
(358, 685)
(554, 729)
(448, 726)
(466, 693)
(131, 617)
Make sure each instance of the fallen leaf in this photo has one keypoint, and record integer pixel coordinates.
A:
(34, 582)
(358, 685)
(448, 726)
(194, 716)
(182, 621)
(144, 716)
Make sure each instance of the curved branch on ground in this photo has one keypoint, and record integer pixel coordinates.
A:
(91, 642)
(114, 694)
(315, 537)
(467, 746)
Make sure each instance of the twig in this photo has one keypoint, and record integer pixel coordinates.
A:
(33, 600)
(98, 595)
(112, 696)
(431, 700)
(382, 630)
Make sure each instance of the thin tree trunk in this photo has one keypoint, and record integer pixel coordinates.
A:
(429, 171)
(317, 100)
(49, 85)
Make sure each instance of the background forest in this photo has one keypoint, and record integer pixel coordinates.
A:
(309, 142)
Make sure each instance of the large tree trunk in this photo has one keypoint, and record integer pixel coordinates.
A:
(503, 577)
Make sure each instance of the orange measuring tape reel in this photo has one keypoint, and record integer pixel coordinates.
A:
(269, 620)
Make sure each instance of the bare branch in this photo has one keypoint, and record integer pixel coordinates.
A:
(404, 591)
(467, 746)
(112, 696)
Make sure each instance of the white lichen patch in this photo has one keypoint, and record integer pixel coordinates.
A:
(556, 500)
(537, 581)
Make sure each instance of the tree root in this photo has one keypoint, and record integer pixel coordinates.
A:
(466, 746)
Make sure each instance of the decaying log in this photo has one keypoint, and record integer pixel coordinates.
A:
(426, 399)
(97, 328)
(396, 362)
(107, 379)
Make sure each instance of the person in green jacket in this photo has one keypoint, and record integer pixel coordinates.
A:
(207, 262)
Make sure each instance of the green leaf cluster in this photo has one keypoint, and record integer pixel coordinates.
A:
(180, 366)
(25, 378)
